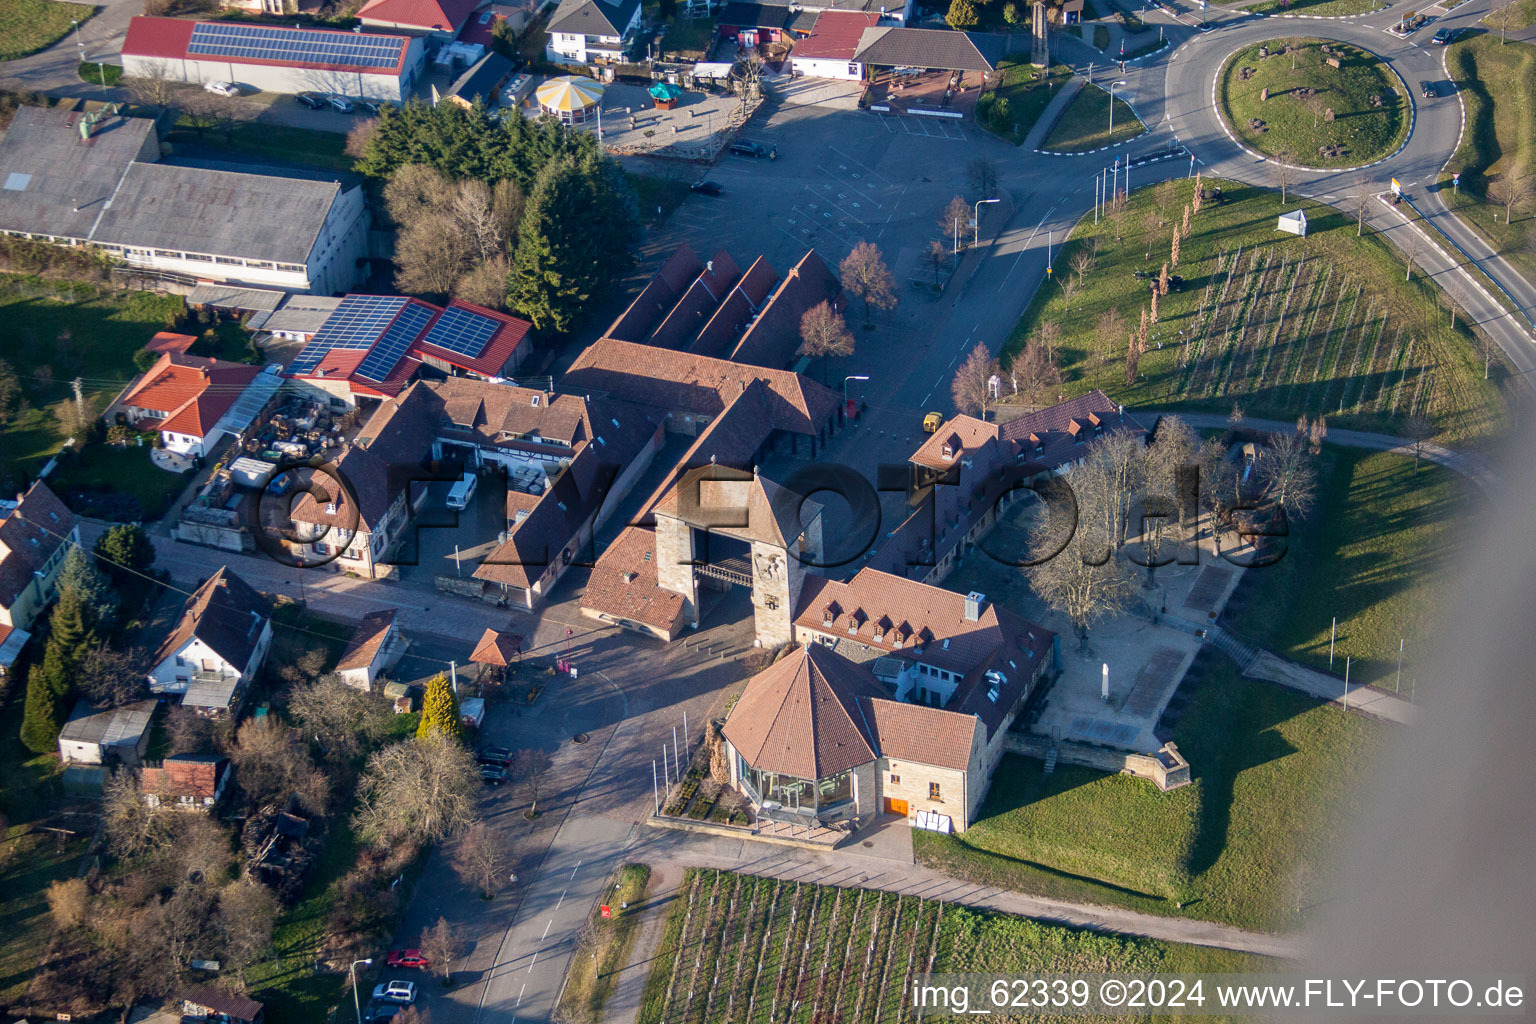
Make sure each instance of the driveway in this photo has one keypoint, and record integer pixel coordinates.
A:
(54, 70)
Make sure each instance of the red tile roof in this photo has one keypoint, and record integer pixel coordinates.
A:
(496, 648)
(189, 775)
(166, 341)
(367, 639)
(913, 732)
(28, 538)
(623, 584)
(1055, 435)
(659, 295)
(437, 15)
(226, 614)
(720, 334)
(801, 716)
(191, 392)
(774, 336)
(835, 36)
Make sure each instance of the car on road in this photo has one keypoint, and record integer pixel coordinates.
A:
(493, 774)
(1446, 35)
(932, 422)
(706, 188)
(494, 755)
(312, 100)
(1429, 90)
(395, 992)
(222, 88)
(746, 147)
(382, 1012)
(407, 958)
(341, 104)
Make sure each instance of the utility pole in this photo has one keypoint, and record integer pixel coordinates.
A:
(1333, 634)
(1399, 687)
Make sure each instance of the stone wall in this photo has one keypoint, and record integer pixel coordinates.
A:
(1167, 769)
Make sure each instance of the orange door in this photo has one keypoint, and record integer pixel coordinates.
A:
(894, 806)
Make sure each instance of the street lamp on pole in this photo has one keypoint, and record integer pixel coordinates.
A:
(976, 220)
(1112, 105)
(845, 386)
(356, 1005)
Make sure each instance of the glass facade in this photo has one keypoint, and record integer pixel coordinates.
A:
(811, 795)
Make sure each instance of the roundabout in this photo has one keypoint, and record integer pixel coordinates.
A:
(1313, 103)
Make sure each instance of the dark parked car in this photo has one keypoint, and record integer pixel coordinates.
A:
(493, 774)
(368, 106)
(494, 755)
(1447, 35)
(706, 188)
(1428, 89)
(312, 100)
(746, 147)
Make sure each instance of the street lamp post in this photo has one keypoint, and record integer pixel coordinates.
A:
(845, 386)
(1112, 105)
(356, 1005)
(976, 220)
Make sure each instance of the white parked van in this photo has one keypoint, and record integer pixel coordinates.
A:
(462, 491)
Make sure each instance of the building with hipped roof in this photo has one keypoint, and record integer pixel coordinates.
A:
(36, 531)
(218, 645)
(185, 398)
(98, 180)
(818, 740)
(440, 18)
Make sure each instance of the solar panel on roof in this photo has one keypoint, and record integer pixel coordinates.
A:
(462, 331)
(406, 329)
(356, 323)
(298, 45)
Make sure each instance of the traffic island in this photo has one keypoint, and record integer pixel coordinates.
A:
(1314, 103)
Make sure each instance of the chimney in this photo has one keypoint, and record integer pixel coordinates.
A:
(973, 605)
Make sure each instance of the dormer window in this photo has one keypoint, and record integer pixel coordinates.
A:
(948, 452)
(879, 631)
(330, 508)
(827, 616)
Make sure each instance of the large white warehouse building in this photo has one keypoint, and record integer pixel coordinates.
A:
(274, 58)
(67, 179)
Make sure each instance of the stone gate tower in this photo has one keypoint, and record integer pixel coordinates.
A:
(781, 532)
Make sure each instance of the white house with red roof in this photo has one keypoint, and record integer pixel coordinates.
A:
(275, 58)
(186, 399)
(426, 17)
(828, 51)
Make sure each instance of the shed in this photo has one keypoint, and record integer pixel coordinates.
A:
(1294, 223)
(99, 737)
(472, 711)
(403, 695)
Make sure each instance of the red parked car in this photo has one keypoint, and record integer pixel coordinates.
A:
(407, 958)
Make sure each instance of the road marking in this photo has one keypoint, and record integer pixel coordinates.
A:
(1025, 249)
(546, 929)
(520, 995)
(531, 963)
(561, 899)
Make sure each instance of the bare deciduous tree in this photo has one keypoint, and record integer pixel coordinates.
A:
(982, 175)
(1413, 251)
(481, 858)
(1077, 572)
(132, 828)
(343, 719)
(1108, 329)
(971, 388)
(1289, 476)
(441, 944)
(1081, 263)
(954, 221)
(1283, 173)
(247, 911)
(272, 762)
(109, 677)
(866, 276)
(69, 902)
(156, 87)
(485, 285)
(1511, 190)
(824, 333)
(1418, 428)
(1034, 375)
(416, 791)
(1363, 187)
(934, 255)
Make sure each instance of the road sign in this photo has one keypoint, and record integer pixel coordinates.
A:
(1455, 177)
(1396, 188)
(606, 909)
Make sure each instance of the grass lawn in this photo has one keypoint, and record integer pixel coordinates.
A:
(1316, 8)
(275, 141)
(1317, 325)
(605, 946)
(27, 26)
(1520, 14)
(92, 73)
(738, 947)
(1498, 89)
(1025, 90)
(1375, 553)
(1275, 778)
(1084, 125)
(1295, 126)
(656, 197)
(52, 331)
(116, 483)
